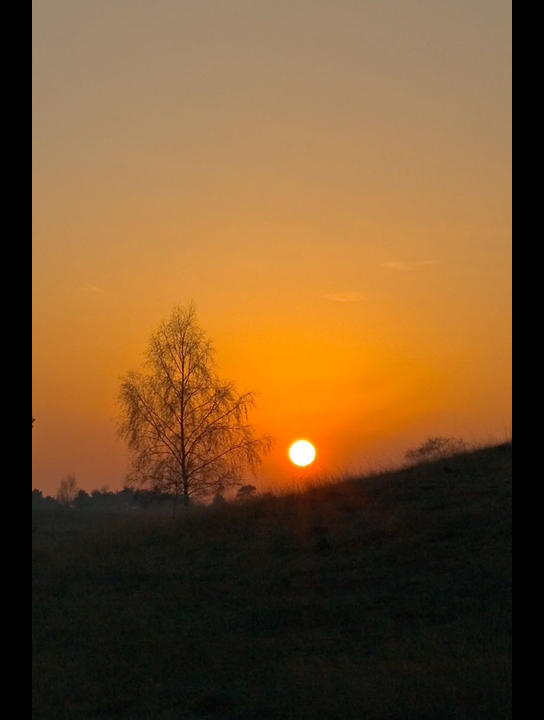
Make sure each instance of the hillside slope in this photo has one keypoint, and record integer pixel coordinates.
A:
(378, 598)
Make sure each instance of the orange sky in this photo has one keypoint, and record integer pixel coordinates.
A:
(329, 182)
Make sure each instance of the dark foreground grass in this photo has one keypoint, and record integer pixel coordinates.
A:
(379, 598)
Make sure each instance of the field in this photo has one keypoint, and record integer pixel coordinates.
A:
(377, 598)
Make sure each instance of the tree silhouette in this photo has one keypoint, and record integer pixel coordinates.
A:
(68, 491)
(246, 492)
(435, 448)
(187, 429)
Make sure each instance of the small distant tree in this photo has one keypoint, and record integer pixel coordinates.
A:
(125, 497)
(68, 491)
(246, 492)
(188, 430)
(219, 500)
(436, 448)
(82, 500)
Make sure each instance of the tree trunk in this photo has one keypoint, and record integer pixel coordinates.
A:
(185, 490)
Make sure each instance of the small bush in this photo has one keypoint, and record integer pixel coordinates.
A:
(436, 448)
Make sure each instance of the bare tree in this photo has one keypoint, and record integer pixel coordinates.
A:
(68, 491)
(187, 429)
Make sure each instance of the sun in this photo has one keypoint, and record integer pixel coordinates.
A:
(302, 453)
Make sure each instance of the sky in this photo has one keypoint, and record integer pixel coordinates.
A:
(328, 182)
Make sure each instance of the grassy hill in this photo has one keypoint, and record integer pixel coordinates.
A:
(375, 598)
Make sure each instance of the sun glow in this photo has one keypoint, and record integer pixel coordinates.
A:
(302, 453)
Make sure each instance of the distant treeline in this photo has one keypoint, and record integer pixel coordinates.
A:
(122, 500)
(125, 499)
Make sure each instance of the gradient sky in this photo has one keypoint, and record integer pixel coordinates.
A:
(330, 182)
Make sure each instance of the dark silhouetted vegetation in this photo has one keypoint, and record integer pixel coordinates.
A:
(122, 501)
(435, 448)
(375, 598)
(245, 492)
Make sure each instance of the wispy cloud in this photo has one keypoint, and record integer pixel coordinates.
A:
(403, 266)
(343, 297)
(88, 289)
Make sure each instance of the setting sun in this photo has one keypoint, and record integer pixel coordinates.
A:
(302, 453)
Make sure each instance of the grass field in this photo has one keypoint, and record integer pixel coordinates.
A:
(379, 598)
